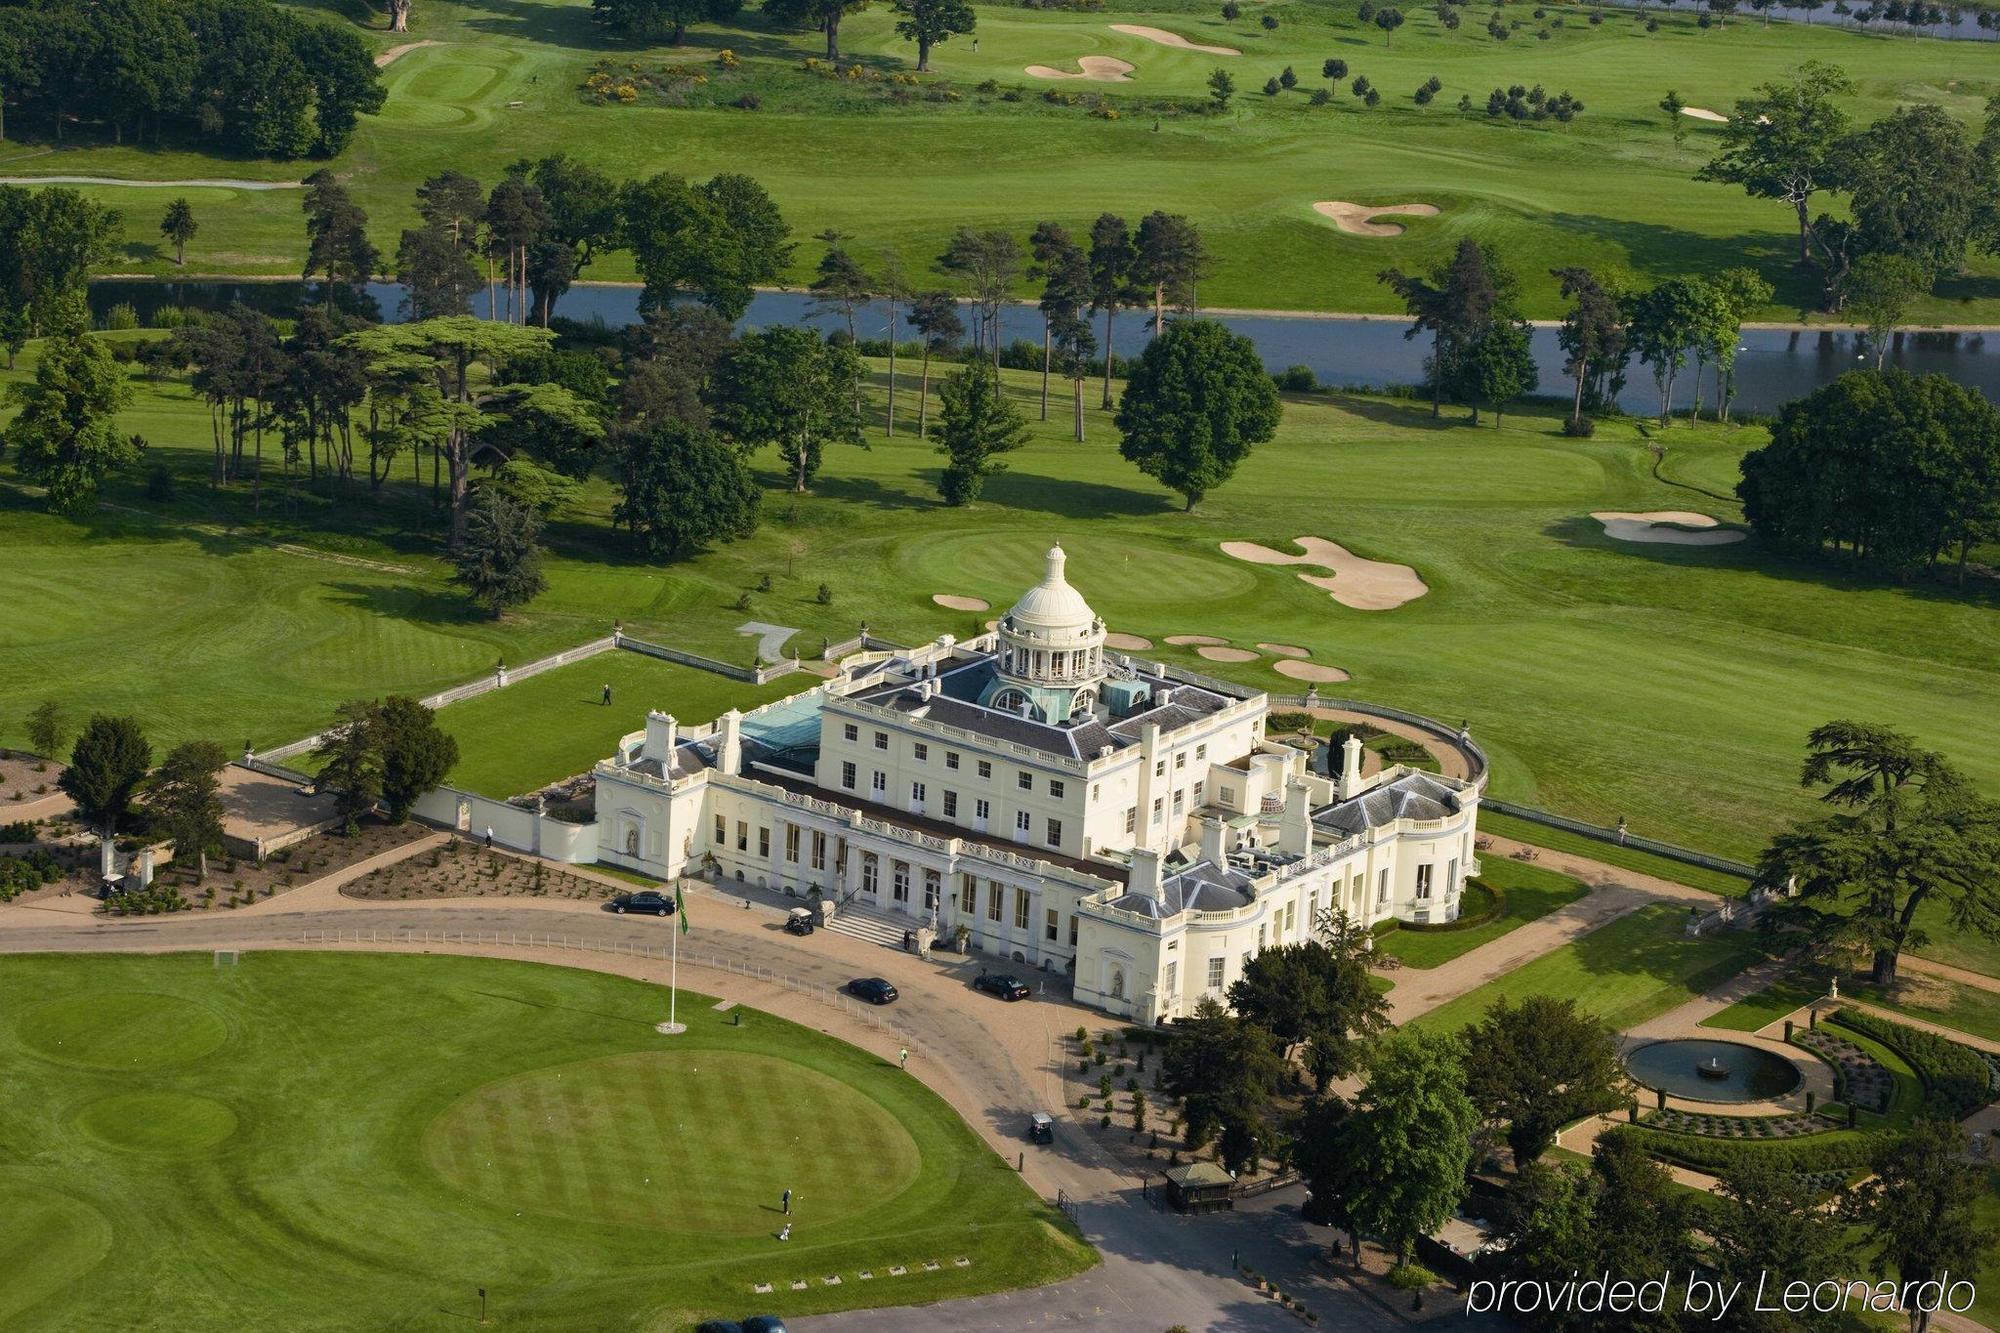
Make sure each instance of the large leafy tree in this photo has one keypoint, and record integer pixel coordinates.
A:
(350, 757)
(1456, 303)
(416, 753)
(789, 387)
(1774, 1220)
(106, 765)
(712, 242)
(989, 263)
(1197, 402)
(50, 240)
(183, 797)
(1170, 258)
(657, 20)
(1907, 830)
(338, 251)
(929, 22)
(1496, 367)
(1786, 142)
(825, 15)
(1593, 339)
(583, 218)
(1921, 187)
(1112, 256)
(682, 488)
(499, 562)
(1224, 1070)
(976, 424)
(1666, 323)
(178, 225)
(1413, 1124)
(1922, 1210)
(1316, 999)
(1537, 1065)
(65, 437)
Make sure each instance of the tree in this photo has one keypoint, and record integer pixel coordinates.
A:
(989, 262)
(683, 488)
(65, 437)
(338, 250)
(178, 225)
(976, 424)
(182, 797)
(842, 285)
(1674, 108)
(1775, 1221)
(499, 562)
(1786, 142)
(1641, 1218)
(1388, 19)
(1496, 367)
(1316, 1000)
(515, 218)
(1224, 1070)
(1592, 335)
(1538, 1065)
(1196, 403)
(714, 242)
(51, 238)
(582, 217)
(1171, 260)
(928, 22)
(1666, 320)
(1333, 70)
(1112, 256)
(824, 15)
(1880, 290)
(1920, 187)
(1221, 87)
(1064, 271)
(1907, 828)
(791, 388)
(650, 21)
(350, 755)
(934, 315)
(1738, 293)
(1922, 1210)
(437, 273)
(399, 15)
(416, 753)
(1413, 1125)
(1455, 303)
(48, 728)
(1074, 344)
(106, 765)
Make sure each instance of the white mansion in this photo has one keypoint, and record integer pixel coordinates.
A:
(1067, 809)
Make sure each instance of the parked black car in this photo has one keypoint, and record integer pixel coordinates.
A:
(1007, 987)
(643, 901)
(763, 1323)
(872, 989)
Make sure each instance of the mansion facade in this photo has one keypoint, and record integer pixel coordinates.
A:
(1053, 804)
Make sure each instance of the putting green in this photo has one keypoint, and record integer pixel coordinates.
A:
(121, 1030)
(50, 1241)
(170, 1124)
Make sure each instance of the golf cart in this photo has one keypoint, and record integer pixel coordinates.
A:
(799, 921)
(1041, 1129)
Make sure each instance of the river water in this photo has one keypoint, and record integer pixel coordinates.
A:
(1773, 366)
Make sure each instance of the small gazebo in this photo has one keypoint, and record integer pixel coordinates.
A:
(1199, 1187)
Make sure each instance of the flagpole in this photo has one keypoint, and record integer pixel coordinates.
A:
(673, 1025)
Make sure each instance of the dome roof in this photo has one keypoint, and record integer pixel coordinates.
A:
(1052, 603)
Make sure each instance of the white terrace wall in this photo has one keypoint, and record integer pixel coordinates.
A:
(513, 828)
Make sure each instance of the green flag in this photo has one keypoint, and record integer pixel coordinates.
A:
(681, 908)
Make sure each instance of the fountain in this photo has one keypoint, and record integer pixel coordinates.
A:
(1713, 1071)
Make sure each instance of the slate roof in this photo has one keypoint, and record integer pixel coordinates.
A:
(1201, 887)
(690, 758)
(1412, 796)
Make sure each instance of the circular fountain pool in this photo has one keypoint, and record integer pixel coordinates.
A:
(1713, 1071)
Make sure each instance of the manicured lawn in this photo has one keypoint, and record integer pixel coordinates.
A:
(1933, 999)
(463, 1123)
(1611, 854)
(1635, 968)
(1530, 893)
(554, 725)
(1613, 190)
(1770, 1004)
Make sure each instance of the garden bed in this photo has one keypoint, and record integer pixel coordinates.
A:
(24, 778)
(234, 882)
(462, 869)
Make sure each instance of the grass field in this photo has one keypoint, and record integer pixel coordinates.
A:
(1634, 969)
(1531, 893)
(462, 1123)
(1932, 999)
(1611, 853)
(1612, 190)
(1671, 685)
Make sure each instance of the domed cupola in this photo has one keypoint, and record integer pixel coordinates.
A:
(1051, 656)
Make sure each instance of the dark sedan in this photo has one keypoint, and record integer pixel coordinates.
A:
(1007, 987)
(872, 989)
(644, 901)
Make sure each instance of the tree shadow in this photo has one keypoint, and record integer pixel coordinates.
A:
(1067, 498)
(1402, 414)
(1655, 248)
(401, 601)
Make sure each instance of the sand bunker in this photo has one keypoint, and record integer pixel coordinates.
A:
(1312, 671)
(395, 53)
(1214, 654)
(1099, 69)
(1365, 585)
(1353, 218)
(1130, 643)
(1668, 527)
(953, 602)
(1192, 640)
(1173, 39)
(1285, 649)
(1703, 113)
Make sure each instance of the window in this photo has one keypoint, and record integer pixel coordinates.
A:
(850, 732)
(1023, 821)
(1197, 791)
(819, 851)
(1160, 769)
(1056, 788)
(1024, 780)
(1227, 795)
(1312, 906)
(1020, 909)
(1055, 833)
(878, 782)
(968, 895)
(792, 843)
(871, 875)
(981, 808)
(1072, 930)
(1215, 966)
(951, 805)
(1180, 801)
(1424, 880)
(993, 892)
(920, 751)
(1180, 761)
(764, 842)
(1173, 975)
(1261, 926)
(933, 884)
(1096, 790)
(1200, 753)
(721, 831)
(1451, 878)
(1159, 808)
(847, 775)
(1382, 888)
(916, 794)
(1131, 819)
(1052, 928)
(881, 740)
(899, 881)
(1292, 916)
(951, 759)
(985, 769)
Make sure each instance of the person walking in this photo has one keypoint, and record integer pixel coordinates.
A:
(785, 1232)
(489, 837)
(607, 694)
(788, 1203)
(903, 1058)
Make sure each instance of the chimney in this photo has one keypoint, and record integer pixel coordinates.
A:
(1350, 768)
(662, 734)
(1295, 827)
(1144, 877)
(1214, 841)
(729, 742)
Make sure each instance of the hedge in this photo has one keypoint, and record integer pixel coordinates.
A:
(1956, 1079)
(1840, 1150)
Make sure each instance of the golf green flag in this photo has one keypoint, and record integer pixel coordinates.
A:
(681, 909)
